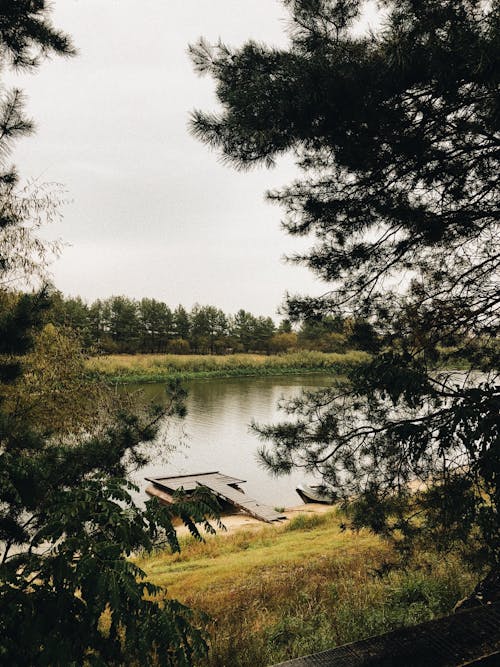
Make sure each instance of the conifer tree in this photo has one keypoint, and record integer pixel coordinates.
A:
(396, 132)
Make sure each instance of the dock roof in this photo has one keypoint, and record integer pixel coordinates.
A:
(190, 482)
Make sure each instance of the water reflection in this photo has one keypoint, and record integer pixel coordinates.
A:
(215, 435)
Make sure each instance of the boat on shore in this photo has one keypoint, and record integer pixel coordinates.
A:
(314, 494)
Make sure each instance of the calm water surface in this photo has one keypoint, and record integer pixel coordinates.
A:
(215, 434)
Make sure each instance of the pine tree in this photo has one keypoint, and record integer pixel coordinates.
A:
(397, 135)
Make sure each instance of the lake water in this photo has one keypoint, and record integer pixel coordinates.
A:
(215, 434)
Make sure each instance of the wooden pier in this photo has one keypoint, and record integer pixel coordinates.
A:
(223, 486)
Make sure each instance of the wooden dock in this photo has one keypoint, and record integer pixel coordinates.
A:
(223, 486)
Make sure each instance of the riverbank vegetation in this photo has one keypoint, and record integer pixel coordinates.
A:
(120, 325)
(158, 367)
(168, 342)
(288, 591)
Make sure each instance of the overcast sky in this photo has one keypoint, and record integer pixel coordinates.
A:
(153, 212)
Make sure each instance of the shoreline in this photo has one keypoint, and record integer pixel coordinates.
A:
(211, 375)
(130, 369)
(235, 523)
(127, 369)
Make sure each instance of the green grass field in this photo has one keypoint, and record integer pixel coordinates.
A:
(125, 368)
(304, 587)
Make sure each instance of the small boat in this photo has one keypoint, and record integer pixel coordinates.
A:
(315, 494)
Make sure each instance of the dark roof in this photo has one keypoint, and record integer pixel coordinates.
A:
(470, 637)
(190, 482)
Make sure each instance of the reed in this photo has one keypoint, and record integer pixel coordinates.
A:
(158, 367)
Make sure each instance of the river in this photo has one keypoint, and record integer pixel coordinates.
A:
(215, 434)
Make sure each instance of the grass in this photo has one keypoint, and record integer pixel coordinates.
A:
(158, 367)
(301, 588)
(129, 368)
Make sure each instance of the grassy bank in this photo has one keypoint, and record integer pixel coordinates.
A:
(305, 587)
(159, 367)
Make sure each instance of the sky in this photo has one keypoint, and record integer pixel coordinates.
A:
(151, 211)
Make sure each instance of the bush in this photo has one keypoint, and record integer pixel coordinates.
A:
(178, 346)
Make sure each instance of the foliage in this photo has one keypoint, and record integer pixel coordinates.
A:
(24, 254)
(283, 342)
(68, 521)
(208, 326)
(53, 390)
(26, 36)
(396, 132)
(69, 595)
(75, 572)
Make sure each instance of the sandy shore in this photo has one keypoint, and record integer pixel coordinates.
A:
(240, 521)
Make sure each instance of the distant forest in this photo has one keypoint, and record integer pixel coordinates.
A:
(122, 325)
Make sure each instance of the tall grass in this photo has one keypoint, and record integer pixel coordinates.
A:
(159, 367)
(293, 590)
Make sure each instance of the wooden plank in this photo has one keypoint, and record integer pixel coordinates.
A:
(162, 495)
(243, 502)
(191, 474)
(190, 482)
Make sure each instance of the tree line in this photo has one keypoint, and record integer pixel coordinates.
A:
(120, 324)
